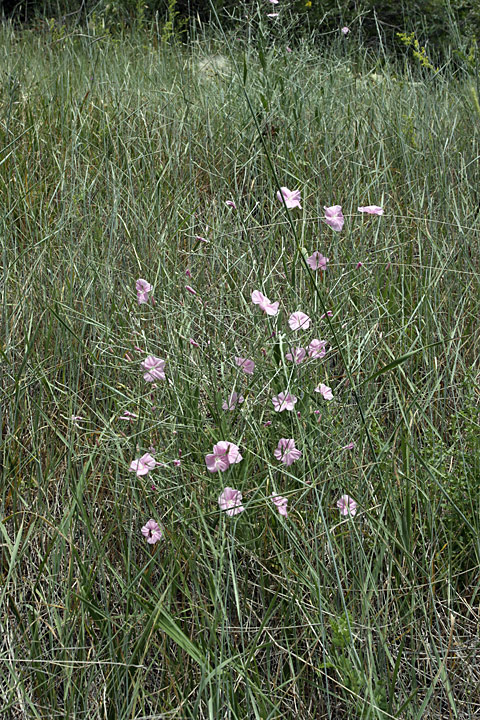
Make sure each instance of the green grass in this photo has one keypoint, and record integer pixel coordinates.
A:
(115, 154)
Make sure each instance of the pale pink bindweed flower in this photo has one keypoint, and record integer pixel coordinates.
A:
(142, 466)
(284, 401)
(274, 2)
(286, 452)
(371, 209)
(291, 197)
(334, 217)
(280, 503)
(347, 505)
(324, 391)
(224, 454)
(264, 303)
(230, 203)
(143, 289)
(317, 261)
(316, 349)
(155, 368)
(297, 355)
(248, 366)
(234, 400)
(152, 531)
(230, 500)
(298, 320)
(345, 30)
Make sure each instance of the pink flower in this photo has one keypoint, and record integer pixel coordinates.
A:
(152, 532)
(317, 261)
(192, 342)
(329, 313)
(177, 462)
(288, 49)
(371, 209)
(188, 273)
(232, 401)
(286, 451)
(274, 2)
(350, 446)
(143, 288)
(230, 203)
(316, 349)
(267, 424)
(143, 465)
(155, 368)
(299, 320)
(297, 356)
(325, 391)
(224, 454)
(359, 265)
(190, 289)
(347, 506)
(231, 501)
(334, 217)
(127, 415)
(280, 503)
(248, 366)
(291, 197)
(345, 30)
(284, 401)
(264, 303)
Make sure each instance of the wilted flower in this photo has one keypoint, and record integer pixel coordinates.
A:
(127, 415)
(280, 503)
(371, 209)
(286, 451)
(317, 261)
(230, 203)
(291, 197)
(297, 355)
(190, 290)
(143, 465)
(324, 391)
(264, 303)
(232, 401)
(350, 446)
(299, 320)
(284, 401)
(143, 289)
(152, 531)
(193, 342)
(248, 366)
(329, 313)
(231, 501)
(155, 368)
(347, 506)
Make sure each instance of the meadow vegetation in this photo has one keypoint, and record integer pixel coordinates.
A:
(117, 158)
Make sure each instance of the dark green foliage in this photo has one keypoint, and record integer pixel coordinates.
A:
(435, 22)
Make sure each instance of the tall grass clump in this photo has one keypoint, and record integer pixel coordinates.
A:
(146, 569)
